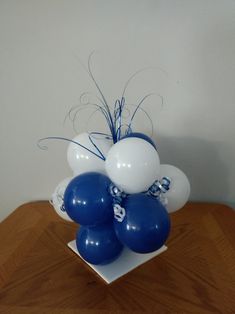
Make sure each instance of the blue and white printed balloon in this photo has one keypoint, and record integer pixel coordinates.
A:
(57, 199)
(178, 194)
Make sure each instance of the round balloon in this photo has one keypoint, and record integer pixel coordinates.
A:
(133, 165)
(146, 224)
(87, 200)
(179, 191)
(141, 135)
(81, 160)
(98, 245)
(57, 199)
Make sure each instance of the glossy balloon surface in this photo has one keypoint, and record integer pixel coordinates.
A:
(133, 165)
(98, 245)
(87, 200)
(57, 199)
(81, 160)
(142, 136)
(179, 191)
(146, 225)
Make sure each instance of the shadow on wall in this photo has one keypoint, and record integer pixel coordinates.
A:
(209, 164)
(201, 162)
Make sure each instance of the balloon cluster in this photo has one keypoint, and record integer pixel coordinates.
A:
(119, 193)
(124, 200)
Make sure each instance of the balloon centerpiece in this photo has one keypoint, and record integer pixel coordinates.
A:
(119, 194)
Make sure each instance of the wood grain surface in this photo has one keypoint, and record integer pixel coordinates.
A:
(39, 274)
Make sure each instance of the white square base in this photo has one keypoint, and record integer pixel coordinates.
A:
(126, 262)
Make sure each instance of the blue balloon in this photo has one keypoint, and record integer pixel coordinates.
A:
(141, 135)
(98, 245)
(87, 200)
(146, 224)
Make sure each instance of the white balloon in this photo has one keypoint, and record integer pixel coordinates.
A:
(179, 191)
(133, 165)
(81, 160)
(57, 199)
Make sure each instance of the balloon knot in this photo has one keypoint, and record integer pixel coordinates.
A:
(118, 196)
(119, 212)
(116, 193)
(159, 187)
(62, 207)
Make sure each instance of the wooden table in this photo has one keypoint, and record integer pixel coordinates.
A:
(39, 274)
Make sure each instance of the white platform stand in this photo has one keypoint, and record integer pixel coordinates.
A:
(126, 262)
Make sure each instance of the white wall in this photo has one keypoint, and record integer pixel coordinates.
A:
(41, 78)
